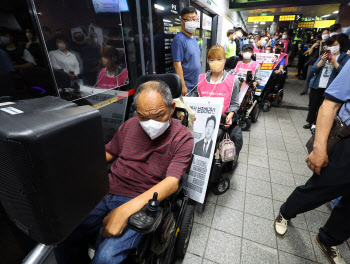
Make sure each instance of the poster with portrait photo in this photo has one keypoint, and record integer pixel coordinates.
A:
(267, 63)
(206, 125)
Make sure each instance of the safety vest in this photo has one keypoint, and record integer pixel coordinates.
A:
(285, 42)
(244, 68)
(256, 50)
(296, 39)
(223, 89)
(231, 48)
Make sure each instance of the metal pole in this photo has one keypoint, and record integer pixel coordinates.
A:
(139, 26)
(38, 255)
(151, 35)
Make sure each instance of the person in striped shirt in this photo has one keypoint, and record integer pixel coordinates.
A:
(152, 151)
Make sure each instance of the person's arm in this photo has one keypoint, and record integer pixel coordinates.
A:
(179, 71)
(76, 68)
(53, 60)
(225, 47)
(177, 51)
(339, 66)
(319, 63)
(116, 221)
(30, 62)
(257, 76)
(318, 158)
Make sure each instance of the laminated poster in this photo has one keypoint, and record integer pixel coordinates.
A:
(267, 62)
(206, 126)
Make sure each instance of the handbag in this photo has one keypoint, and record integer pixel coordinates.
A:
(338, 131)
(227, 149)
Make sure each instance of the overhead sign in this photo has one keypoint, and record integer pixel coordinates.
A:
(287, 18)
(324, 23)
(306, 24)
(261, 19)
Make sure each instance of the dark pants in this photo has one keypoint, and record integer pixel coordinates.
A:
(308, 78)
(333, 182)
(315, 101)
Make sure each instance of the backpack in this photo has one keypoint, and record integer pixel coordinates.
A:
(227, 149)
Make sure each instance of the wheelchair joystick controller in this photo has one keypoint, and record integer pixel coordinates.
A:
(148, 218)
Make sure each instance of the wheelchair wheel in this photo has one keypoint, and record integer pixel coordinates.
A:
(222, 186)
(245, 124)
(266, 106)
(278, 99)
(255, 113)
(183, 238)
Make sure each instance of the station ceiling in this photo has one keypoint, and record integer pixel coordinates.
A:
(305, 11)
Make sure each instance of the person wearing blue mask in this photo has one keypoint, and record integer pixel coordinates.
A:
(274, 40)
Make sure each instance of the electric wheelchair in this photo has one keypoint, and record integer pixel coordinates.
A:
(167, 225)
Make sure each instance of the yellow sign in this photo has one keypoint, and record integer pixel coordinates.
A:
(261, 18)
(324, 23)
(287, 18)
(306, 24)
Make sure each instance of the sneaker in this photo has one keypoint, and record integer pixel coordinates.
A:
(313, 129)
(302, 93)
(280, 225)
(332, 253)
(307, 126)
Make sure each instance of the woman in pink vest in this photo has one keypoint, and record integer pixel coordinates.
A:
(248, 64)
(113, 75)
(219, 83)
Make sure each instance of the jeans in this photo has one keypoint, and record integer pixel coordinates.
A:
(107, 250)
(333, 182)
(308, 78)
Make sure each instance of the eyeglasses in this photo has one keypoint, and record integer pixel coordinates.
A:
(190, 19)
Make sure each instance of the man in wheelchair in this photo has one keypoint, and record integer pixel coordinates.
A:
(279, 73)
(152, 151)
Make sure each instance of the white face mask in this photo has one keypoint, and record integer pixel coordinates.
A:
(239, 34)
(154, 128)
(29, 36)
(247, 55)
(334, 49)
(333, 34)
(190, 26)
(251, 40)
(325, 36)
(276, 37)
(61, 46)
(284, 36)
(263, 43)
(268, 51)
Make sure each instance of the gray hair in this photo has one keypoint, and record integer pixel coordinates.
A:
(160, 87)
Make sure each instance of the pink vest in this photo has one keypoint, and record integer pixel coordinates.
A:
(244, 68)
(286, 43)
(256, 50)
(106, 82)
(223, 89)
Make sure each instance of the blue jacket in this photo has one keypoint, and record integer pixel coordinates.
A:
(314, 82)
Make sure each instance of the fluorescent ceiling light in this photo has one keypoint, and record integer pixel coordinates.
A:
(159, 7)
(336, 12)
(326, 15)
(165, 20)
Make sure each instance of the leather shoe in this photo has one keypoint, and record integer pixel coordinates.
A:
(302, 93)
(307, 126)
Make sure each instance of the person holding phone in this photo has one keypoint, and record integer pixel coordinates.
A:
(326, 68)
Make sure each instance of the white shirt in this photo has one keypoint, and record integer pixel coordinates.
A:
(68, 62)
(326, 73)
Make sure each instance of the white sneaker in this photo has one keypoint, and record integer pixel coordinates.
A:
(332, 253)
(280, 225)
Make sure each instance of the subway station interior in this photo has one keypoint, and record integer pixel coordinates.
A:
(175, 131)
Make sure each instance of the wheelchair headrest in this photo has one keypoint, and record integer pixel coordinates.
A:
(171, 79)
(231, 62)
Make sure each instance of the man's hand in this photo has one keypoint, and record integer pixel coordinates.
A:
(255, 84)
(184, 90)
(114, 223)
(277, 72)
(317, 160)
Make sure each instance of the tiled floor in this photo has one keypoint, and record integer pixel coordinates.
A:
(237, 227)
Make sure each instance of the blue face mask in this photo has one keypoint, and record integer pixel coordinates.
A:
(263, 43)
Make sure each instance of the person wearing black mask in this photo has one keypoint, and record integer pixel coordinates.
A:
(90, 55)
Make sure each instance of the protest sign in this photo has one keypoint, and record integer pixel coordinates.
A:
(206, 125)
(267, 62)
